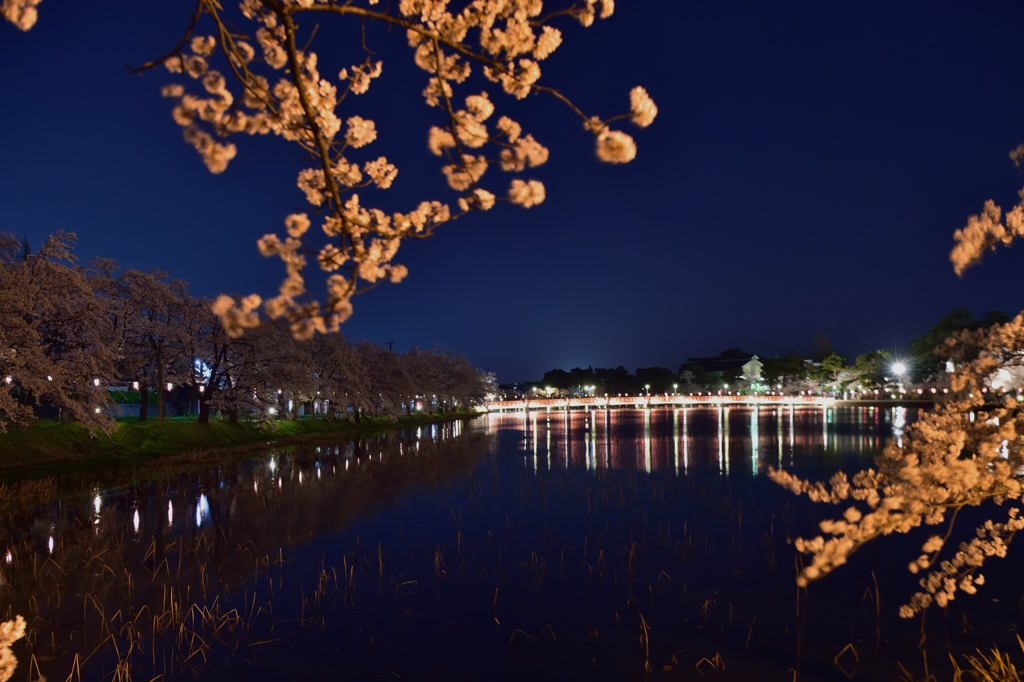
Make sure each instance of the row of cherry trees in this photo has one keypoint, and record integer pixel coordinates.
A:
(69, 332)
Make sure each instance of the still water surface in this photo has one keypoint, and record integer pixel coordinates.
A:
(619, 545)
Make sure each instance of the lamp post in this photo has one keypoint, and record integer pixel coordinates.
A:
(899, 369)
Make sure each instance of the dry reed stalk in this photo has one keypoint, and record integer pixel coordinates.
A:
(856, 659)
(645, 639)
(716, 664)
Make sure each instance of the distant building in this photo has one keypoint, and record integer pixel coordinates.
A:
(731, 365)
(752, 369)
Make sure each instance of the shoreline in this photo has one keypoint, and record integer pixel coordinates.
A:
(49, 449)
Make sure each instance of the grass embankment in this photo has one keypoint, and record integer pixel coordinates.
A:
(50, 447)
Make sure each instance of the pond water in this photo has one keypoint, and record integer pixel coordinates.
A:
(619, 545)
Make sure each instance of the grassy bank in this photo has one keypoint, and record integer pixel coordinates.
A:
(48, 447)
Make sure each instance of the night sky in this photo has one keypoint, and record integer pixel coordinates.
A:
(805, 174)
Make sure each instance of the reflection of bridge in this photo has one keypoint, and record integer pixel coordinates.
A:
(657, 401)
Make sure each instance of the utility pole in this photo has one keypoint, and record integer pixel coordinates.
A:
(390, 345)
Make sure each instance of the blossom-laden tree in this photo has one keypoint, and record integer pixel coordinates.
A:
(53, 340)
(451, 380)
(156, 331)
(968, 451)
(267, 373)
(387, 385)
(265, 80)
(150, 319)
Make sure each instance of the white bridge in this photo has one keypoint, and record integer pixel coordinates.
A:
(662, 400)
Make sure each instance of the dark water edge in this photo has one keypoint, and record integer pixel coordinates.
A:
(137, 450)
(508, 548)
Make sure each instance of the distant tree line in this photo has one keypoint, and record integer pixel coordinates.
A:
(821, 370)
(68, 333)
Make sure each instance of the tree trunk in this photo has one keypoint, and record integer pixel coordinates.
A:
(144, 400)
(159, 386)
(204, 410)
(233, 416)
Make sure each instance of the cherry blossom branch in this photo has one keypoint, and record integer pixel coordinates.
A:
(436, 38)
(296, 68)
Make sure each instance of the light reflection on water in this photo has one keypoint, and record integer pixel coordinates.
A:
(662, 440)
(422, 551)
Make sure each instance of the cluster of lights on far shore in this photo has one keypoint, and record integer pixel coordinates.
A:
(898, 369)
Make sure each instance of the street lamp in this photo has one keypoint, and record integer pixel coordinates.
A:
(675, 387)
(648, 387)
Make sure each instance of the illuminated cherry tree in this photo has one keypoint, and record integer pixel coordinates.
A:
(252, 72)
(54, 342)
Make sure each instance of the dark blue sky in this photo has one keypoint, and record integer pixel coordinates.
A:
(805, 174)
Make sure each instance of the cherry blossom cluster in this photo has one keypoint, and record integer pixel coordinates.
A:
(21, 13)
(991, 227)
(966, 452)
(10, 632)
(984, 231)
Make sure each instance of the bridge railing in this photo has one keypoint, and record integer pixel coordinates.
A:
(655, 401)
